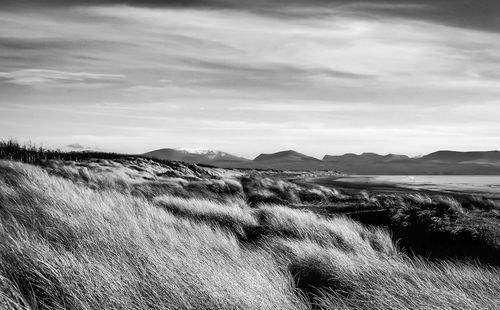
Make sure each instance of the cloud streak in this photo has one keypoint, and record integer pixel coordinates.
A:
(473, 14)
(44, 77)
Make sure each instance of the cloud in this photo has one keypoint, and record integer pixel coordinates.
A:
(480, 14)
(7, 43)
(78, 146)
(37, 77)
(274, 70)
(75, 146)
(227, 54)
(353, 73)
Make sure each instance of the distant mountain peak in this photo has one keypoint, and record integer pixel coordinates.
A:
(463, 157)
(198, 150)
(440, 162)
(195, 155)
(285, 155)
(208, 153)
(364, 158)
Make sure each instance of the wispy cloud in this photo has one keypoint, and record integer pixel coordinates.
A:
(471, 14)
(45, 77)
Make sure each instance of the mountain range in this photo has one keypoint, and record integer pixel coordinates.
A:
(198, 156)
(440, 162)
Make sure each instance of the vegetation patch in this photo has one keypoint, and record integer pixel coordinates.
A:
(66, 243)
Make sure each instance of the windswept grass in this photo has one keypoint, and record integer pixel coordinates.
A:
(235, 217)
(443, 226)
(339, 232)
(261, 189)
(148, 179)
(67, 245)
(64, 246)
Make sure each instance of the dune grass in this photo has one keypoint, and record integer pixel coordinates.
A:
(67, 245)
(70, 247)
(445, 226)
(265, 189)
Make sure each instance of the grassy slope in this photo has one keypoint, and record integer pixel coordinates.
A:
(433, 225)
(130, 235)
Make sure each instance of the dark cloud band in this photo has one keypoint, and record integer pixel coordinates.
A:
(475, 14)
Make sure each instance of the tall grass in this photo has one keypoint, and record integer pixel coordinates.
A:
(444, 226)
(30, 153)
(259, 189)
(338, 232)
(67, 245)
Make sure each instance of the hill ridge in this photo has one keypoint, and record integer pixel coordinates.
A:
(439, 162)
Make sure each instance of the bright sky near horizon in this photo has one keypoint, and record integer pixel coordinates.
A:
(249, 77)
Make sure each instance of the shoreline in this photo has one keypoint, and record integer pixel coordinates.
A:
(342, 183)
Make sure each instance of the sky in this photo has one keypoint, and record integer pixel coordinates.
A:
(248, 77)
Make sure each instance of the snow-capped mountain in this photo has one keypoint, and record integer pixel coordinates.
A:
(197, 155)
(208, 153)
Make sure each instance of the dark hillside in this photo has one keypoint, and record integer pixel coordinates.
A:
(289, 155)
(461, 157)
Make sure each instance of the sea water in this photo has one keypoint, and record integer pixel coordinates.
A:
(481, 184)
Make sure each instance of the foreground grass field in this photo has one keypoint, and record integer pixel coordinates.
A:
(136, 234)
